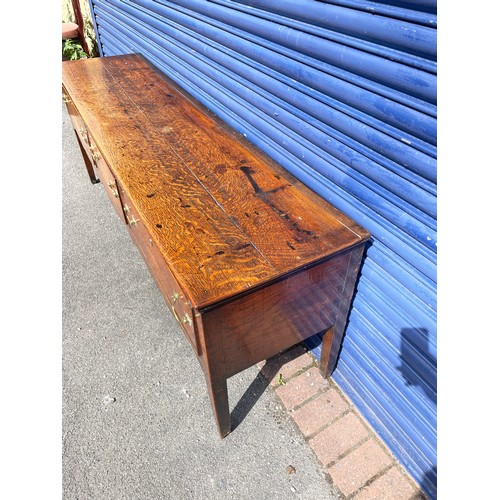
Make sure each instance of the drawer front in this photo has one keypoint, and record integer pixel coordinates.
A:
(78, 124)
(171, 290)
(107, 179)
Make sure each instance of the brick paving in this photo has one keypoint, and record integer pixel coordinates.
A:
(357, 462)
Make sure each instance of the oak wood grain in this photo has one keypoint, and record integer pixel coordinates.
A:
(241, 183)
(218, 195)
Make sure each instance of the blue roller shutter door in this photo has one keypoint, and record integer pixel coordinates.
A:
(342, 93)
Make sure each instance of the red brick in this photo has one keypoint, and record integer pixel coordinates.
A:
(337, 438)
(392, 485)
(318, 412)
(352, 472)
(301, 388)
(292, 367)
(287, 364)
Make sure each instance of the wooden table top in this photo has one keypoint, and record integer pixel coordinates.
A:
(225, 216)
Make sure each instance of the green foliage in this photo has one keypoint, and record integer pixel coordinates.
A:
(73, 50)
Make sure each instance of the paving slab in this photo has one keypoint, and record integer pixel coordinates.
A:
(137, 420)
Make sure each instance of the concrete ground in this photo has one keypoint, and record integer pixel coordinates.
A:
(137, 420)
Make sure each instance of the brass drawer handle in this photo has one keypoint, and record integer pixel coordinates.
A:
(186, 320)
(131, 221)
(66, 98)
(83, 133)
(95, 153)
(113, 188)
(175, 297)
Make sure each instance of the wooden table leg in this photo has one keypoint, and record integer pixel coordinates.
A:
(330, 347)
(220, 403)
(214, 367)
(332, 339)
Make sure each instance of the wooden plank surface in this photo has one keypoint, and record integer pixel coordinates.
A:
(208, 200)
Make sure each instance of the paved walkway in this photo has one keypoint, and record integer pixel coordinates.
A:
(137, 420)
(356, 462)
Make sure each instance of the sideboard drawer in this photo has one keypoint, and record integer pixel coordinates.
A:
(173, 293)
(78, 125)
(107, 179)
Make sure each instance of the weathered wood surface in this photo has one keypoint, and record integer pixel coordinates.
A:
(206, 200)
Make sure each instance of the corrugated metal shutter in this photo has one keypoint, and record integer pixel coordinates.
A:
(342, 93)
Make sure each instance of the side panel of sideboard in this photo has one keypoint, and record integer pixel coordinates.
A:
(254, 327)
(268, 320)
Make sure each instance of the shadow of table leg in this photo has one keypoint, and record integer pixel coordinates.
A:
(256, 389)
